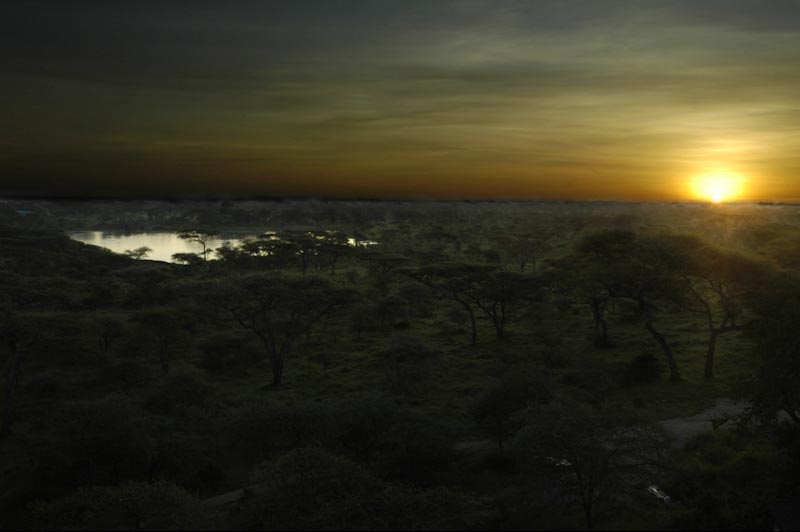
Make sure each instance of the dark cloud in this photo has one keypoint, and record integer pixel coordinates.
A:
(364, 87)
(225, 41)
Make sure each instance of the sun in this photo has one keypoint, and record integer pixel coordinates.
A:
(718, 186)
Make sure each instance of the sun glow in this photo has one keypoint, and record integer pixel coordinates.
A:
(718, 187)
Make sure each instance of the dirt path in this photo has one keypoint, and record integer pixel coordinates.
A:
(686, 427)
(474, 446)
(682, 427)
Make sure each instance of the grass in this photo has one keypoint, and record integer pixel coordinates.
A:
(448, 384)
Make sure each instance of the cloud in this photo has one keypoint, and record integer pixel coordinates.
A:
(384, 90)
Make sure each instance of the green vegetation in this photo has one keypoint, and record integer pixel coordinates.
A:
(365, 365)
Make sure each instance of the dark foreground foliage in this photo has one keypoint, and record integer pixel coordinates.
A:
(416, 366)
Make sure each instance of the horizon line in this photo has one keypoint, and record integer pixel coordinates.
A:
(5, 197)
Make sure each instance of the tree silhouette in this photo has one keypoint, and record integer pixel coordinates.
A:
(138, 253)
(278, 309)
(201, 237)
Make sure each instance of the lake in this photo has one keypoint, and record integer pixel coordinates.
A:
(164, 245)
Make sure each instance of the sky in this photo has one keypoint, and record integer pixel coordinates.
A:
(593, 99)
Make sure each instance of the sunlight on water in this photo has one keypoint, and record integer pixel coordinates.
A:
(164, 245)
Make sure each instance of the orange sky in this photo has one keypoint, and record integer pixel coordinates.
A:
(575, 100)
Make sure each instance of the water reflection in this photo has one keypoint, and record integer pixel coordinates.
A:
(163, 245)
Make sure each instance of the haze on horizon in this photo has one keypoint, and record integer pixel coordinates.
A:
(600, 99)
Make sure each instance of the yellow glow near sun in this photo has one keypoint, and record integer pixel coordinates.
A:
(717, 187)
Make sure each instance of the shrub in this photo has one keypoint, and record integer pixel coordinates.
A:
(642, 369)
(44, 386)
(724, 481)
(313, 489)
(226, 351)
(502, 408)
(122, 376)
(94, 443)
(261, 430)
(590, 385)
(186, 459)
(406, 364)
(415, 450)
(180, 388)
(501, 461)
(132, 506)
(362, 423)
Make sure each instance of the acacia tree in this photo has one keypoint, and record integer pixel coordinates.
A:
(504, 408)
(379, 261)
(138, 253)
(16, 298)
(520, 249)
(109, 329)
(202, 237)
(591, 454)
(477, 287)
(590, 282)
(453, 282)
(270, 249)
(278, 309)
(163, 326)
(332, 245)
(687, 273)
(716, 285)
(776, 386)
(498, 293)
(304, 245)
(382, 265)
(639, 269)
(189, 259)
(12, 351)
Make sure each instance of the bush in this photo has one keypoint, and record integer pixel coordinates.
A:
(642, 369)
(122, 376)
(313, 489)
(415, 450)
(501, 461)
(180, 388)
(132, 506)
(502, 408)
(361, 319)
(724, 481)
(362, 423)
(95, 443)
(186, 459)
(602, 343)
(406, 364)
(261, 430)
(44, 386)
(61, 338)
(226, 351)
(590, 385)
